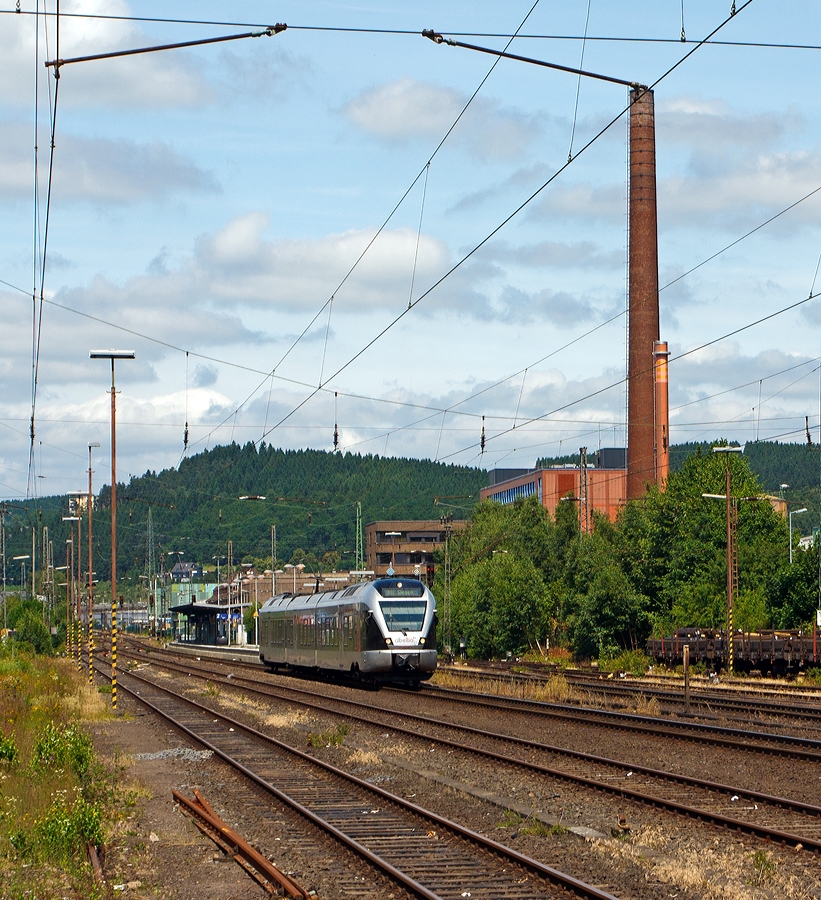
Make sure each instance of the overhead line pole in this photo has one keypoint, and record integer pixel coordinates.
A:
(115, 54)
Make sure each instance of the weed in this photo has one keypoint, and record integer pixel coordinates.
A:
(633, 661)
(812, 676)
(105, 689)
(763, 867)
(647, 707)
(8, 750)
(61, 747)
(333, 737)
(212, 690)
(530, 825)
(510, 819)
(556, 690)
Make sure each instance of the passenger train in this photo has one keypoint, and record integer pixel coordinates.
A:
(377, 631)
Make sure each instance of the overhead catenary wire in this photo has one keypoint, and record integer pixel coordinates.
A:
(508, 218)
(399, 32)
(579, 84)
(381, 228)
(37, 308)
(435, 410)
(615, 384)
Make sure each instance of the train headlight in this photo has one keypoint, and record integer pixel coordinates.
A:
(421, 640)
(388, 641)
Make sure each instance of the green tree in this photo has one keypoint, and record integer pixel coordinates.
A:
(500, 604)
(32, 631)
(605, 612)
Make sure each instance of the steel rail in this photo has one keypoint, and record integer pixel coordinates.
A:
(788, 746)
(559, 879)
(262, 870)
(698, 695)
(762, 831)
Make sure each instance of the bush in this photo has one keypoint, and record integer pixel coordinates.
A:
(32, 632)
(62, 833)
(633, 661)
(8, 750)
(63, 746)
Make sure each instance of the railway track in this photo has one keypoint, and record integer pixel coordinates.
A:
(794, 746)
(775, 744)
(428, 855)
(707, 700)
(767, 817)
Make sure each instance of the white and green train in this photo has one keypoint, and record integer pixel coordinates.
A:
(377, 631)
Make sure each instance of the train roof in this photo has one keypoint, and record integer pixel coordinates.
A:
(386, 587)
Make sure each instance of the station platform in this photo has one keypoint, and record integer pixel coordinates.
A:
(246, 654)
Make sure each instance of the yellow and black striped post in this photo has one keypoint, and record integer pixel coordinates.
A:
(114, 655)
(90, 651)
(78, 644)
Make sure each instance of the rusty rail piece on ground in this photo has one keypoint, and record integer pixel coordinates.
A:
(258, 867)
(96, 864)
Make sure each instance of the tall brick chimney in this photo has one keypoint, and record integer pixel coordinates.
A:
(643, 312)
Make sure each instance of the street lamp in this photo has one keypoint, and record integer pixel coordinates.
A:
(112, 355)
(22, 561)
(727, 497)
(90, 545)
(392, 534)
(794, 512)
(293, 567)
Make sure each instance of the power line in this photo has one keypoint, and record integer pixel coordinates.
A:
(507, 219)
(424, 170)
(331, 29)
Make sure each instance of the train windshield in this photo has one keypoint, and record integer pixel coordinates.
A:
(403, 615)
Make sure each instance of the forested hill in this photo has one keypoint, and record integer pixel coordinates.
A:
(310, 496)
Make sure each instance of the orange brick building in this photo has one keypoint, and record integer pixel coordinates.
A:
(606, 488)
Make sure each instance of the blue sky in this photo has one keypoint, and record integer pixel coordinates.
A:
(214, 198)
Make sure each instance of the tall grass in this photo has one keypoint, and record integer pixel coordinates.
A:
(51, 798)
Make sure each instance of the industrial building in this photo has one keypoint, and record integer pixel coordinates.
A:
(599, 485)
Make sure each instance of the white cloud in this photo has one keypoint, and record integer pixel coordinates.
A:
(99, 170)
(239, 266)
(407, 109)
(742, 191)
(147, 81)
(556, 255)
(712, 127)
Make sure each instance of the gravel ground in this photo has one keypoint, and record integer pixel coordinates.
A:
(658, 855)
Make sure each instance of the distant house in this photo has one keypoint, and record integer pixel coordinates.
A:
(405, 548)
(186, 571)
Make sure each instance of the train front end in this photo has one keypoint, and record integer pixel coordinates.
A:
(401, 632)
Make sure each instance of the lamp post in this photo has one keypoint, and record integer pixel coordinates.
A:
(794, 512)
(90, 545)
(294, 568)
(392, 535)
(112, 355)
(730, 548)
(22, 561)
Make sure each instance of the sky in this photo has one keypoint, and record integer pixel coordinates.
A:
(321, 228)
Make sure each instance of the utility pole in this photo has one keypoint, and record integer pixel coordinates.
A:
(732, 557)
(112, 355)
(90, 544)
(584, 493)
(360, 551)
